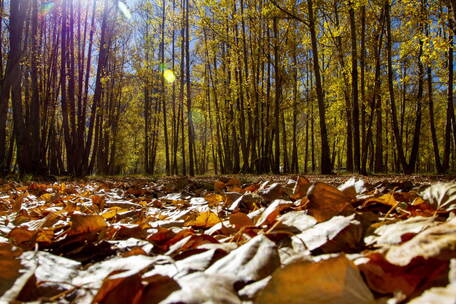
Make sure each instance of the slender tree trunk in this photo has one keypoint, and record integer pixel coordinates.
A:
(163, 89)
(277, 99)
(363, 85)
(355, 106)
(325, 166)
(394, 121)
(191, 137)
(450, 119)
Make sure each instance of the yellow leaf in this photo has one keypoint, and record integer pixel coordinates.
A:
(205, 220)
(111, 212)
(385, 199)
(46, 197)
(214, 198)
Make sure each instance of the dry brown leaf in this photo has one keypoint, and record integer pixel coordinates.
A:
(9, 266)
(239, 220)
(200, 287)
(435, 242)
(397, 232)
(300, 188)
(335, 281)
(253, 261)
(340, 233)
(326, 201)
(86, 223)
(385, 199)
(120, 287)
(386, 278)
(273, 192)
(158, 288)
(298, 221)
(214, 198)
(442, 196)
(22, 236)
(273, 211)
(437, 295)
(219, 186)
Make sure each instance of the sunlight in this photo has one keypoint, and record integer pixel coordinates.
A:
(124, 10)
(169, 76)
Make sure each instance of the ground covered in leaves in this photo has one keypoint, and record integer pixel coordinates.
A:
(228, 240)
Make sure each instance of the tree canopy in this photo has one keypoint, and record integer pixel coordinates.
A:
(225, 86)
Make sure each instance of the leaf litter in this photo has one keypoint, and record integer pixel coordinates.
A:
(180, 240)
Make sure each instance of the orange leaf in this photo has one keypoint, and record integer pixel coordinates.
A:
(9, 266)
(219, 186)
(240, 220)
(86, 223)
(21, 235)
(301, 187)
(213, 198)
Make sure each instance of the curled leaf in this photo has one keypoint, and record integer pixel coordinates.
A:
(441, 195)
(327, 201)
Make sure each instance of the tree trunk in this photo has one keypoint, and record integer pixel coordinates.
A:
(355, 106)
(325, 165)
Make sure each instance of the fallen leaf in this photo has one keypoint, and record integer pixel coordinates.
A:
(387, 278)
(200, 287)
(219, 186)
(300, 188)
(214, 198)
(442, 196)
(273, 192)
(340, 233)
(9, 266)
(352, 187)
(273, 211)
(298, 221)
(120, 287)
(252, 261)
(386, 199)
(86, 223)
(239, 220)
(435, 242)
(437, 295)
(335, 281)
(158, 288)
(326, 201)
(204, 220)
(393, 234)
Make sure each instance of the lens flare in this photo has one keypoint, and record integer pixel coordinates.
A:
(124, 10)
(46, 7)
(169, 76)
(162, 67)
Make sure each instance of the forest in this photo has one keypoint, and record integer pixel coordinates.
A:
(200, 87)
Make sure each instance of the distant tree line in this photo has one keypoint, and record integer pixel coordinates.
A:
(225, 86)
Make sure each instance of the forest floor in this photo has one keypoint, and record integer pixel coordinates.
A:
(229, 239)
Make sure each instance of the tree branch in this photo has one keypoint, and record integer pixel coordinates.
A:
(293, 16)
